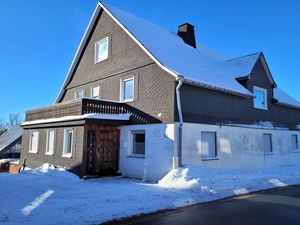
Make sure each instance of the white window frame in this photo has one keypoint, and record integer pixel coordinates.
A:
(271, 144)
(265, 91)
(92, 92)
(65, 154)
(133, 132)
(216, 146)
(122, 89)
(31, 150)
(75, 94)
(47, 152)
(297, 143)
(103, 40)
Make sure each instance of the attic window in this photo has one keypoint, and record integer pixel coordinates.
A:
(260, 98)
(79, 94)
(101, 50)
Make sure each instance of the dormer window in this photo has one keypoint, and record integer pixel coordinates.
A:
(260, 98)
(101, 50)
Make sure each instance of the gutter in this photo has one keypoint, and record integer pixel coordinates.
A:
(178, 154)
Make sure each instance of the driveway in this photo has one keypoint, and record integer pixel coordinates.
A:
(279, 206)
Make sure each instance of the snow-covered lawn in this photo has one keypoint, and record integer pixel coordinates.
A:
(54, 196)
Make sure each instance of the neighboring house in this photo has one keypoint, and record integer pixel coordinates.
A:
(2, 130)
(11, 143)
(141, 100)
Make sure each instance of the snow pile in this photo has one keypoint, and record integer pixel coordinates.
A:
(11, 160)
(51, 170)
(178, 178)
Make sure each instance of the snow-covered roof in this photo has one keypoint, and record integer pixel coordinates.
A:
(95, 116)
(284, 98)
(10, 137)
(168, 50)
(202, 66)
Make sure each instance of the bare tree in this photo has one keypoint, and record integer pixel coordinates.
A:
(13, 120)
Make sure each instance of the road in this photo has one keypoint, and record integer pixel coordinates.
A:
(279, 206)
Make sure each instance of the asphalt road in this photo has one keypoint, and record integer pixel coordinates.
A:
(271, 207)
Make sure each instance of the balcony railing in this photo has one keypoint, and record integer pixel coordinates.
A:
(85, 106)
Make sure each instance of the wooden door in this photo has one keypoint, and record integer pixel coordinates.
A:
(104, 151)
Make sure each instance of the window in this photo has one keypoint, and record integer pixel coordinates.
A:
(127, 89)
(68, 143)
(294, 142)
(208, 145)
(260, 100)
(267, 143)
(33, 141)
(50, 142)
(138, 142)
(101, 50)
(95, 92)
(79, 94)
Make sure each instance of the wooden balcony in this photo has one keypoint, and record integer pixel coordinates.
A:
(86, 106)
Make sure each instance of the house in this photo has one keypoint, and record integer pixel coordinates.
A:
(2, 130)
(10, 143)
(141, 100)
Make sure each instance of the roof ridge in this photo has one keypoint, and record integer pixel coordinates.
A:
(244, 56)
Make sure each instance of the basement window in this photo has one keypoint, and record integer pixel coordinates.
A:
(33, 141)
(68, 143)
(101, 50)
(294, 142)
(260, 98)
(267, 143)
(208, 145)
(138, 142)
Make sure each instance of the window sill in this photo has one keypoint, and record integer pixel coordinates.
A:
(32, 152)
(268, 153)
(210, 159)
(67, 156)
(128, 100)
(48, 153)
(136, 156)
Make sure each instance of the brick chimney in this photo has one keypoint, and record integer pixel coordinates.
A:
(186, 32)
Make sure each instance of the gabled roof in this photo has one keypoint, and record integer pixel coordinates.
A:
(196, 66)
(10, 138)
(284, 99)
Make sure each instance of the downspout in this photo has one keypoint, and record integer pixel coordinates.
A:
(179, 109)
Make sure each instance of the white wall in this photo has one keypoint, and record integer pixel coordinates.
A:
(239, 147)
(158, 158)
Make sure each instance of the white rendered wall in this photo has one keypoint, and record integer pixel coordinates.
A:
(239, 147)
(158, 158)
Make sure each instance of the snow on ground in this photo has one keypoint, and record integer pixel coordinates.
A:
(50, 195)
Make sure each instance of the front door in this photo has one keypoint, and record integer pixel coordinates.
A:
(102, 150)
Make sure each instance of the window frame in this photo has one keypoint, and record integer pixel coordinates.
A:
(216, 146)
(134, 132)
(122, 89)
(92, 88)
(271, 152)
(297, 142)
(103, 40)
(47, 152)
(68, 155)
(30, 149)
(75, 94)
(265, 91)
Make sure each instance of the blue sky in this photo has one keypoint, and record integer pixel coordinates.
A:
(38, 39)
